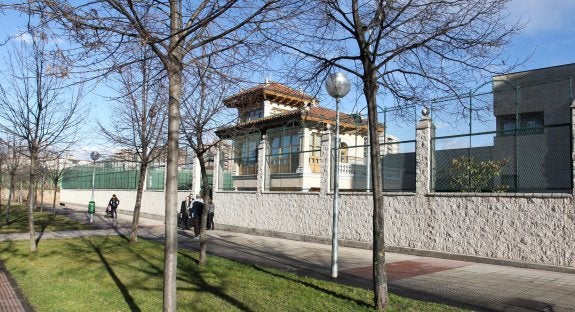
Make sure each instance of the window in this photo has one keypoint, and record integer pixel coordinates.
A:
(315, 150)
(246, 154)
(252, 114)
(527, 123)
(285, 148)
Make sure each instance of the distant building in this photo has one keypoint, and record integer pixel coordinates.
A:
(533, 116)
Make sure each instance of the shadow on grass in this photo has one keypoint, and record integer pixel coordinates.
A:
(202, 285)
(312, 285)
(12, 218)
(43, 226)
(123, 289)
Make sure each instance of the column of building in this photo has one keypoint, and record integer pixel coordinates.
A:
(262, 171)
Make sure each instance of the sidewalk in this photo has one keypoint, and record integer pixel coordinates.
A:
(480, 287)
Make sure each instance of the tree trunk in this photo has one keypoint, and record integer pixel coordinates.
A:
(10, 192)
(138, 205)
(174, 68)
(207, 196)
(42, 197)
(32, 198)
(379, 273)
(54, 199)
(20, 193)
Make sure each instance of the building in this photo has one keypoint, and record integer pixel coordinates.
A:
(532, 111)
(292, 126)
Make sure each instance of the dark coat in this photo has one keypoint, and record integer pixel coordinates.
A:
(114, 203)
(197, 209)
(184, 208)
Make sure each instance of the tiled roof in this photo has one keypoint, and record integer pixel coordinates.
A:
(273, 89)
(314, 113)
(329, 114)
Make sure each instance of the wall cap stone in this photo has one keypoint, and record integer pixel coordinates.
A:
(522, 195)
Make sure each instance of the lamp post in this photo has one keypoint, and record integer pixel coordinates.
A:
(337, 86)
(92, 205)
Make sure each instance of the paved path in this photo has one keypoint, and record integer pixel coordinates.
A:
(480, 287)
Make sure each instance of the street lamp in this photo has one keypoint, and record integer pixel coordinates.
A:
(337, 86)
(92, 205)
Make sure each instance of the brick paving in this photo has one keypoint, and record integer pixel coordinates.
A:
(10, 300)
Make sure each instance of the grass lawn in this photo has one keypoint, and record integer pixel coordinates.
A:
(108, 273)
(45, 221)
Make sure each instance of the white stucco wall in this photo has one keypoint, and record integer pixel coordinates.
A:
(152, 201)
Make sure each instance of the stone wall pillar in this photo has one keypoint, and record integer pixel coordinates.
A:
(423, 154)
(262, 172)
(326, 163)
(196, 176)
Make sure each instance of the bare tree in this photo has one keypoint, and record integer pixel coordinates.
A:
(55, 173)
(33, 108)
(174, 30)
(42, 172)
(3, 158)
(203, 112)
(409, 50)
(54, 161)
(13, 164)
(139, 120)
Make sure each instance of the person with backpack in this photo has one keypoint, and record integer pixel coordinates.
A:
(114, 203)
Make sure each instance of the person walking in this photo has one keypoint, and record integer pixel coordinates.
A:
(114, 203)
(196, 212)
(184, 207)
(211, 207)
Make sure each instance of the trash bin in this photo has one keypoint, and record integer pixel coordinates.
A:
(92, 207)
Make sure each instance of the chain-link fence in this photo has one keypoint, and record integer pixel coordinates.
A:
(120, 175)
(397, 148)
(515, 137)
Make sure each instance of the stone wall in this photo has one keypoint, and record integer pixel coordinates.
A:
(536, 229)
(515, 228)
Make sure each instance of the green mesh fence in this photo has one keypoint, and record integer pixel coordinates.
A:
(521, 144)
(121, 176)
(156, 178)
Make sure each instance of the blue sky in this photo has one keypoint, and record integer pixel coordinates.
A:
(549, 33)
(548, 38)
